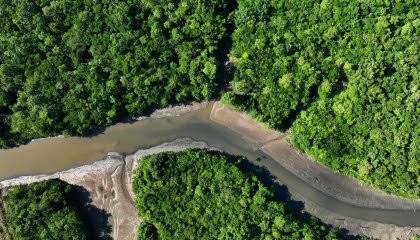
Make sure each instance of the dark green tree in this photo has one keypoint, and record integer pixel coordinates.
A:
(45, 210)
(71, 66)
(197, 194)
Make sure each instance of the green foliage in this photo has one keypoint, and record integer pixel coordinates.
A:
(70, 66)
(196, 194)
(4, 232)
(280, 58)
(352, 67)
(44, 210)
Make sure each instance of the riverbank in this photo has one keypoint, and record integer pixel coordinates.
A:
(54, 154)
(171, 111)
(276, 145)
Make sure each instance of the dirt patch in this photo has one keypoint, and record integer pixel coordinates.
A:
(243, 124)
(178, 110)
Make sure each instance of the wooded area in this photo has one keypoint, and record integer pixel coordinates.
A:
(197, 194)
(348, 71)
(45, 210)
(71, 66)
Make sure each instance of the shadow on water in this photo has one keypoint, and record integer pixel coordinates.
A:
(281, 193)
(97, 219)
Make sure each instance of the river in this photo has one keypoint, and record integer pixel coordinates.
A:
(51, 155)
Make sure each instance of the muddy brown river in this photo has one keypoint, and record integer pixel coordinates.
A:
(46, 156)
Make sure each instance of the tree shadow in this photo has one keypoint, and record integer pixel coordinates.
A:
(280, 192)
(313, 96)
(225, 68)
(294, 113)
(97, 219)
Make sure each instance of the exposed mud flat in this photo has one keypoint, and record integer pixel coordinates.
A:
(341, 187)
(355, 226)
(109, 184)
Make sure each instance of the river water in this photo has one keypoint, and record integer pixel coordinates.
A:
(51, 155)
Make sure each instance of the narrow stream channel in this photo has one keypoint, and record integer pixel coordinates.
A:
(51, 155)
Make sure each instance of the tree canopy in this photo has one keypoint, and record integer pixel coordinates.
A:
(348, 71)
(197, 194)
(45, 210)
(70, 66)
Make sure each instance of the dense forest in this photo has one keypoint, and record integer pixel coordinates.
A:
(197, 194)
(344, 75)
(71, 66)
(347, 71)
(45, 210)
